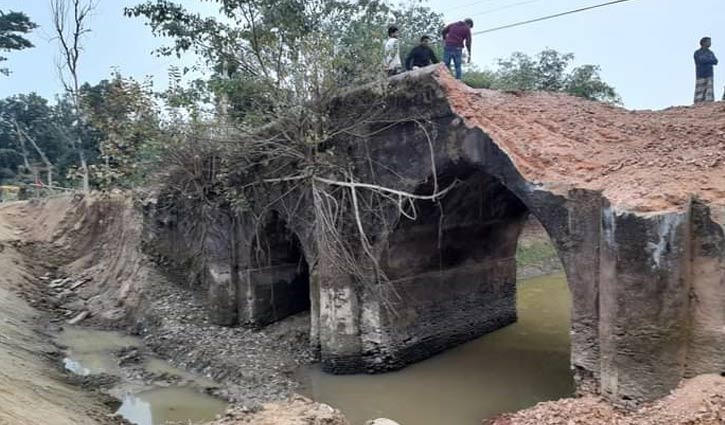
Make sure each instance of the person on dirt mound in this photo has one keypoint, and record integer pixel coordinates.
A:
(705, 61)
(456, 36)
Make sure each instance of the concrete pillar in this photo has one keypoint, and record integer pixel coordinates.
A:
(314, 306)
(580, 258)
(706, 353)
(644, 294)
(222, 295)
(339, 320)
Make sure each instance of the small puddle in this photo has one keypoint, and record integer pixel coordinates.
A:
(504, 371)
(92, 352)
(176, 404)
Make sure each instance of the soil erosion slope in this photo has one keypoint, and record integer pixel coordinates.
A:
(32, 391)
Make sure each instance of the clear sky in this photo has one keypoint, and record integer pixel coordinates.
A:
(643, 46)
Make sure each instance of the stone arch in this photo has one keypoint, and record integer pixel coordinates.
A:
(276, 280)
(452, 270)
(360, 336)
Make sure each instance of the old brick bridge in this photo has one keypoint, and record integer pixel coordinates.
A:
(633, 201)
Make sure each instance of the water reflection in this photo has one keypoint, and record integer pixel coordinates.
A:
(177, 405)
(91, 351)
(507, 370)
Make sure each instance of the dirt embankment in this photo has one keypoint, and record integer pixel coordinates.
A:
(93, 243)
(640, 160)
(32, 390)
(699, 401)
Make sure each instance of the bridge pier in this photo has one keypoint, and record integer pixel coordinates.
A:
(645, 288)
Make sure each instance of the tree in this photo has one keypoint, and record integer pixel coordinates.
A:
(550, 71)
(70, 22)
(295, 59)
(13, 26)
(479, 78)
(32, 138)
(415, 21)
(268, 54)
(124, 113)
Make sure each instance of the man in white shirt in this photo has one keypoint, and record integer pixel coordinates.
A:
(391, 55)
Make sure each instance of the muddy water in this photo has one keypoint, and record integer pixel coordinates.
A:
(92, 352)
(177, 405)
(507, 370)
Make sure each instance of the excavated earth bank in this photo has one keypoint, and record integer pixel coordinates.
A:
(645, 161)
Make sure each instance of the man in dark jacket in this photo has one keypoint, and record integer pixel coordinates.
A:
(457, 36)
(421, 55)
(705, 60)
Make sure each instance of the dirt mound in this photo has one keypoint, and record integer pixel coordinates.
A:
(643, 161)
(32, 391)
(93, 243)
(699, 401)
(296, 411)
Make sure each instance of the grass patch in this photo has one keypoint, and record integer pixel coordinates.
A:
(533, 253)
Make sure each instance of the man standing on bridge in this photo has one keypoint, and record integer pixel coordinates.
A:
(457, 35)
(421, 55)
(705, 60)
(391, 52)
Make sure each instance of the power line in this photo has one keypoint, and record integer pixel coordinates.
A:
(544, 18)
(462, 6)
(509, 6)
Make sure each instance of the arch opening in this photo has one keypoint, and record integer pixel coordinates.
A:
(278, 277)
(455, 269)
(454, 288)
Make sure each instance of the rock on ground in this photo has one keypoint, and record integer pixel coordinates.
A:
(297, 411)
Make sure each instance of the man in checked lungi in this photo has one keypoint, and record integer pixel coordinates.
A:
(705, 60)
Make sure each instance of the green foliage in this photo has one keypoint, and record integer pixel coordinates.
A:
(416, 20)
(479, 79)
(268, 56)
(550, 71)
(586, 82)
(535, 253)
(124, 113)
(38, 120)
(13, 27)
(120, 128)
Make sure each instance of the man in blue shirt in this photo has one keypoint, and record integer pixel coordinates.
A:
(705, 61)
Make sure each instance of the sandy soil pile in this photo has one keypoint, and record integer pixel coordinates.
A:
(93, 243)
(699, 401)
(32, 391)
(296, 411)
(643, 161)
